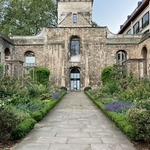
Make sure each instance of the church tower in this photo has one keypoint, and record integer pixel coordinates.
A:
(74, 13)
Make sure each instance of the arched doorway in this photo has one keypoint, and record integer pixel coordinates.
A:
(75, 79)
(144, 55)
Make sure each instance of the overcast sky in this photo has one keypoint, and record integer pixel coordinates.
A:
(112, 13)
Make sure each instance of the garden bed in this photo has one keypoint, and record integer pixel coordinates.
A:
(122, 123)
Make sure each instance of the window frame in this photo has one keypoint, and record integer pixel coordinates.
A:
(129, 31)
(74, 46)
(145, 20)
(136, 28)
(74, 18)
(29, 55)
(121, 57)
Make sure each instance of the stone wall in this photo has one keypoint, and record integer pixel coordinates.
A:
(97, 50)
(81, 21)
(65, 8)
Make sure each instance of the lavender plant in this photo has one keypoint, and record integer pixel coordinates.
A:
(55, 95)
(118, 106)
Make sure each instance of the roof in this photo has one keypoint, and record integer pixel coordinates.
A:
(133, 16)
(5, 37)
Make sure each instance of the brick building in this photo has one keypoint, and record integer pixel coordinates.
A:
(75, 52)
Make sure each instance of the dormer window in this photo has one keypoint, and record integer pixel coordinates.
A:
(74, 18)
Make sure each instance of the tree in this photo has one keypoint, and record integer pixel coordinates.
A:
(27, 17)
(94, 24)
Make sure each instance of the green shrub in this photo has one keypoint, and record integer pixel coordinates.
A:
(119, 119)
(63, 88)
(9, 118)
(106, 75)
(135, 91)
(37, 115)
(22, 129)
(45, 96)
(9, 86)
(98, 93)
(111, 88)
(1, 70)
(41, 75)
(140, 120)
(87, 88)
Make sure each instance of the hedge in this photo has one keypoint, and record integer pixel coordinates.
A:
(22, 129)
(25, 126)
(119, 119)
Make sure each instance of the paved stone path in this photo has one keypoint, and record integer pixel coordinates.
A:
(76, 123)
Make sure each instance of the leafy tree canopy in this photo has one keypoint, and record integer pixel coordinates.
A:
(27, 17)
(94, 24)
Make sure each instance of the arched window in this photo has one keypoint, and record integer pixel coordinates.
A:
(74, 46)
(29, 58)
(7, 54)
(121, 57)
(144, 55)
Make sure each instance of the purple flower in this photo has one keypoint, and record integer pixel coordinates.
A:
(55, 95)
(117, 106)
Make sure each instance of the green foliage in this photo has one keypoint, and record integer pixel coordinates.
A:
(94, 24)
(140, 120)
(27, 17)
(9, 118)
(87, 88)
(19, 101)
(63, 88)
(120, 120)
(37, 115)
(22, 129)
(25, 126)
(1, 70)
(118, 72)
(106, 75)
(136, 90)
(111, 88)
(45, 96)
(98, 93)
(41, 75)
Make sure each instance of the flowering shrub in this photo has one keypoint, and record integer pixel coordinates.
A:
(140, 120)
(143, 104)
(55, 95)
(118, 106)
(98, 93)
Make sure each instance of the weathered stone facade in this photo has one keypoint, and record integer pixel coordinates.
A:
(95, 47)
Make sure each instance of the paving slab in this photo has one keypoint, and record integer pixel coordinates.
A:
(76, 123)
